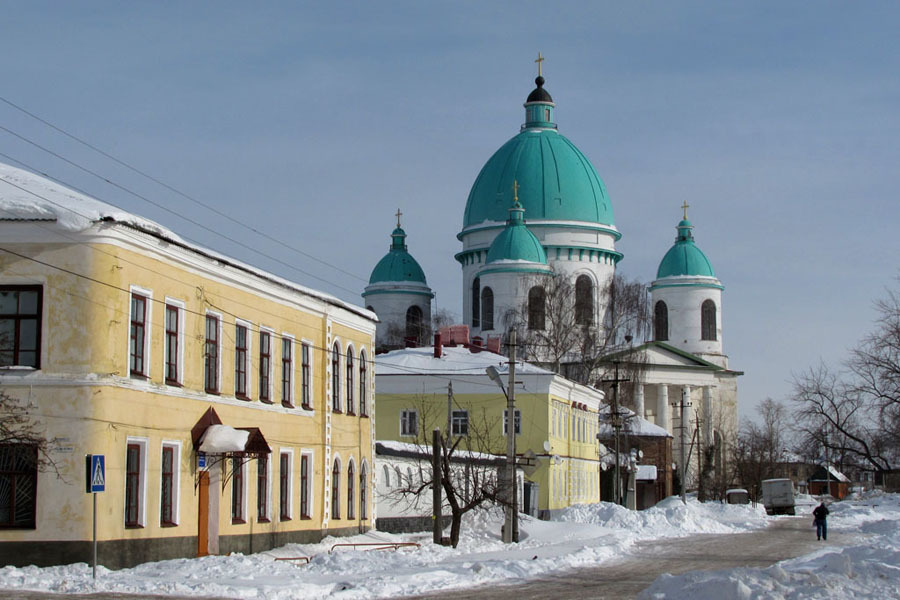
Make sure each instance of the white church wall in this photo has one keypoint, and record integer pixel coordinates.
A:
(683, 303)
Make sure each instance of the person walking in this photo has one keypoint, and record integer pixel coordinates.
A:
(821, 514)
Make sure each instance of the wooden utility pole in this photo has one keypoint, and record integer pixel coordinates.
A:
(511, 531)
(436, 484)
(684, 403)
(615, 420)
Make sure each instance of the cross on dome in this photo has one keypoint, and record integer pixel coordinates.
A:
(684, 207)
(539, 60)
(398, 215)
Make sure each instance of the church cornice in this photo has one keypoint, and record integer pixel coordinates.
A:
(578, 225)
(555, 252)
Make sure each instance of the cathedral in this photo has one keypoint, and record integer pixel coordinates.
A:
(538, 214)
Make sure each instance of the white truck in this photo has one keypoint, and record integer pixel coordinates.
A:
(778, 496)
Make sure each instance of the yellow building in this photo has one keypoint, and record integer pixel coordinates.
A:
(234, 409)
(419, 389)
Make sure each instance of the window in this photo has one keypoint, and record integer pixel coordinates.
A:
(167, 486)
(547, 114)
(173, 351)
(414, 324)
(305, 488)
(211, 355)
(350, 379)
(409, 423)
(459, 422)
(336, 490)
(363, 487)
(518, 424)
(363, 383)
(20, 326)
(287, 372)
(536, 307)
(133, 485)
(584, 301)
(487, 309)
(284, 486)
(305, 374)
(660, 321)
(18, 486)
(476, 305)
(237, 490)
(137, 365)
(240, 360)
(336, 377)
(387, 476)
(708, 320)
(265, 366)
(262, 489)
(351, 492)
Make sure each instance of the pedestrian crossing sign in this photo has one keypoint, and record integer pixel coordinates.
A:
(95, 473)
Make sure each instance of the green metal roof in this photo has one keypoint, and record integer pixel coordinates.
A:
(685, 258)
(516, 242)
(398, 264)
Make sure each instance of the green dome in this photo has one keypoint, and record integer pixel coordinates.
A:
(557, 182)
(685, 258)
(398, 264)
(516, 242)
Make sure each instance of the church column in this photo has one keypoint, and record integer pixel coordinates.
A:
(707, 416)
(639, 400)
(662, 407)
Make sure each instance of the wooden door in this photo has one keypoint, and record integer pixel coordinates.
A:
(203, 515)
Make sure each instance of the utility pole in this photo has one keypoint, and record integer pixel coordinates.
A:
(827, 470)
(511, 532)
(685, 403)
(615, 420)
(436, 485)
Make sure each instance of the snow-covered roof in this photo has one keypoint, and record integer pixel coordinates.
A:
(835, 474)
(411, 449)
(634, 424)
(219, 439)
(25, 196)
(453, 360)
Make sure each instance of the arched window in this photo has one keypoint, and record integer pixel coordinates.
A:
(363, 490)
(414, 323)
(336, 490)
(336, 377)
(363, 370)
(387, 476)
(351, 491)
(476, 302)
(487, 309)
(537, 299)
(350, 380)
(584, 300)
(708, 320)
(660, 321)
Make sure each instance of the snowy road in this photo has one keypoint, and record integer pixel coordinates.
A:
(786, 538)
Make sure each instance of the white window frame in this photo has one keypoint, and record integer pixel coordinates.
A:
(352, 380)
(148, 327)
(272, 338)
(176, 480)
(245, 515)
(517, 424)
(340, 379)
(309, 344)
(143, 443)
(289, 452)
(311, 492)
(268, 490)
(292, 395)
(220, 322)
(456, 422)
(404, 422)
(179, 360)
(248, 361)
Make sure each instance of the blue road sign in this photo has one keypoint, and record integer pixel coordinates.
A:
(201, 460)
(96, 473)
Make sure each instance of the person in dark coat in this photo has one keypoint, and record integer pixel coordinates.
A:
(821, 514)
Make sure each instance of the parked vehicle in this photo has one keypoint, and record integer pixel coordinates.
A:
(778, 496)
(737, 496)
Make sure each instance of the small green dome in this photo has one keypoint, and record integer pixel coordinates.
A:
(685, 258)
(398, 264)
(557, 181)
(516, 242)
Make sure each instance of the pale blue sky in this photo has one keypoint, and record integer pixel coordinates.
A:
(778, 122)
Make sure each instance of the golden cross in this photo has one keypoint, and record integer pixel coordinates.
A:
(539, 60)
(685, 206)
(398, 215)
(515, 187)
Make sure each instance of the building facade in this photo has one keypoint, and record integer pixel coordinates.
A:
(234, 409)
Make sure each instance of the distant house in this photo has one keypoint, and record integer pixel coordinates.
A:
(829, 481)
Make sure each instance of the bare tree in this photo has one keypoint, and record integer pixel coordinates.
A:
(21, 434)
(761, 446)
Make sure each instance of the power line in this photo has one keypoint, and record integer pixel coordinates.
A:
(176, 191)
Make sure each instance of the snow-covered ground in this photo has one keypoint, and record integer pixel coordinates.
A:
(584, 535)
(868, 570)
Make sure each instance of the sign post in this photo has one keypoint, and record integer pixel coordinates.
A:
(95, 481)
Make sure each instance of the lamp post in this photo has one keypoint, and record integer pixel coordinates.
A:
(511, 529)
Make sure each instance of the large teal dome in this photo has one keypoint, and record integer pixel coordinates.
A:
(516, 242)
(685, 258)
(556, 181)
(398, 264)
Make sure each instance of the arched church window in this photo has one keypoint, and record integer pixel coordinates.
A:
(537, 300)
(660, 321)
(487, 309)
(584, 300)
(476, 306)
(414, 323)
(708, 320)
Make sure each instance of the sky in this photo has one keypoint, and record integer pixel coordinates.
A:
(287, 134)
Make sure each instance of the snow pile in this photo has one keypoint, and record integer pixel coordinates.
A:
(869, 570)
(222, 438)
